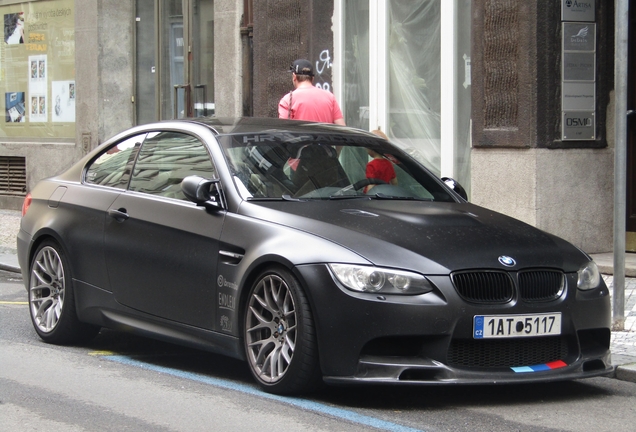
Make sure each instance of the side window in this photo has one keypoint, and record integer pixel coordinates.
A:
(165, 159)
(112, 168)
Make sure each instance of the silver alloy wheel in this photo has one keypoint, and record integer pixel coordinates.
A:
(46, 289)
(270, 328)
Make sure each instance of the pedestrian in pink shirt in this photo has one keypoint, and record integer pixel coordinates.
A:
(307, 102)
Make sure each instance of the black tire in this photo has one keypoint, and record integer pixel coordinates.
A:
(279, 335)
(52, 300)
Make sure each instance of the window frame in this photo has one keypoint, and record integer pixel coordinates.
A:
(156, 133)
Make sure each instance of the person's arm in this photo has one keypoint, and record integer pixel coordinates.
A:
(283, 107)
(336, 112)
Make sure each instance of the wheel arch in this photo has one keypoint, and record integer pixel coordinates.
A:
(42, 236)
(250, 278)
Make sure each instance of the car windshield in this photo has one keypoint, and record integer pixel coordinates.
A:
(297, 166)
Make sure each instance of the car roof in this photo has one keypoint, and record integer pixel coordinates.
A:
(249, 125)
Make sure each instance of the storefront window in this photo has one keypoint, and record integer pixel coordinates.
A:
(397, 57)
(37, 70)
(356, 63)
(414, 78)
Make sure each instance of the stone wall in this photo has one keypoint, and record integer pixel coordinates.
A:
(519, 164)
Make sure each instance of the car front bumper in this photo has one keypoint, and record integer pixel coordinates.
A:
(428, 339)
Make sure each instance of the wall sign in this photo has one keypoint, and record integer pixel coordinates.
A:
(578, 96)
(579, 125)
(578, 72)
(578, 10)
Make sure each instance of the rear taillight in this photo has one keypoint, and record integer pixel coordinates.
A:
(26, 204)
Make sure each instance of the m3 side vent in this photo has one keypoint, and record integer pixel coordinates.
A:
(12, 175)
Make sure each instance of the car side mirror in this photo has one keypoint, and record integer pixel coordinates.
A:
(202, 191)
(456, 187)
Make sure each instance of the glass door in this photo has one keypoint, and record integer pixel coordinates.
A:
(202, 59)
(405, 69)
(174, 59)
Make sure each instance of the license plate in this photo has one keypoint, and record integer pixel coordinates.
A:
(514, 326)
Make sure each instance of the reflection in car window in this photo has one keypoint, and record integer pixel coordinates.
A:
(282, 165)
(113, 167)
(165, 159)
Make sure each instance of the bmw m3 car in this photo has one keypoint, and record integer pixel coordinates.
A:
(269, 241)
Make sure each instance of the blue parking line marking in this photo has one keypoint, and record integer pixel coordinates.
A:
(243, 388)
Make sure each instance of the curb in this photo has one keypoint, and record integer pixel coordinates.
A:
(626, 372)
(608, 270)
(10, 268)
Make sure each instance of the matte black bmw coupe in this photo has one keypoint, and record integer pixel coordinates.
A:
(269, 241)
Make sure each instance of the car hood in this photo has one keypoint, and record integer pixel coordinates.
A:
(424, 236)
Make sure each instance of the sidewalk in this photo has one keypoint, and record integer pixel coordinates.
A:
(623, 343)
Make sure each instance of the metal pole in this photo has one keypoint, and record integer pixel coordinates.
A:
(620, 160)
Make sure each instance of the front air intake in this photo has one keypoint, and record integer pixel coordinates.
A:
(484, 286)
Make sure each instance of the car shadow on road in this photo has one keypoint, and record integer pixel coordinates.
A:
(167, 355)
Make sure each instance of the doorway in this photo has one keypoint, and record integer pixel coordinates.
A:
(174, 59)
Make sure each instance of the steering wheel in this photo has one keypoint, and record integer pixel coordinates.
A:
(358, 185)
(366, 182)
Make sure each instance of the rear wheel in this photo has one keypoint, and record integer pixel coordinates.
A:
(280, 340)
(51, 298)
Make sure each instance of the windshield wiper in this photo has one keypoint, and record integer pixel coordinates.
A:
(286, 197)
(281, 198)
(263, 199)
(345, 197)
(395, 197)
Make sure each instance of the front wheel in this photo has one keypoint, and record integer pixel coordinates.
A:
(280, 340)
(51, 298)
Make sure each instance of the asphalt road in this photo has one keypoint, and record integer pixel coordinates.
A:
(121, 382)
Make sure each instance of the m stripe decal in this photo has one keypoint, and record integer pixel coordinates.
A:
(541, 367)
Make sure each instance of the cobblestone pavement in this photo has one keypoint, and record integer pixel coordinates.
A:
(9, 226)
(624, 342)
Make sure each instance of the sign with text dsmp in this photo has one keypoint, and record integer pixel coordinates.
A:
(578, 72)
(578, 10)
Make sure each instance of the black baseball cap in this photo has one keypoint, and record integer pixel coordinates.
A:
(302, 67)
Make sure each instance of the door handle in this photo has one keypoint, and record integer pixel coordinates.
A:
(119, 215)
(203, 108)
(186, 101)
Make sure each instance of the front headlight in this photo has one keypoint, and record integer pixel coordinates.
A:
(380, 280)
(588, 276)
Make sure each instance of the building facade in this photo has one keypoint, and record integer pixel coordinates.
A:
(512, 99)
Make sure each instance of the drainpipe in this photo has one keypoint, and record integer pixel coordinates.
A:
(247, 43)
(621, 24)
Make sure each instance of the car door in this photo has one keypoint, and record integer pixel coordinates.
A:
(85, 207)
(161, 250)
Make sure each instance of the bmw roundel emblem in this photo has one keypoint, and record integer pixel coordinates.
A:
(507, 261)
